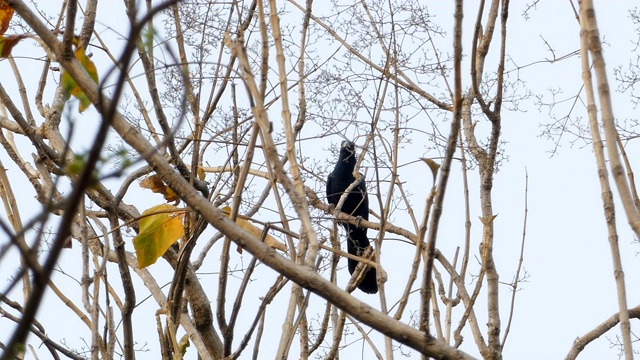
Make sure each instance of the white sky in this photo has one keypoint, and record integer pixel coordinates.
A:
(570, 288)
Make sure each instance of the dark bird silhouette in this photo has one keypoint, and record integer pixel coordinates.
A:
(356, 204)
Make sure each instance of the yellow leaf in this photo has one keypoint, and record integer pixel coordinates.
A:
(255, 231)
(8, 42)
(184, 344)
(434, 166)
(160, 227)
(201, 174)
(155, 184)
(6, 12)
(71, 87)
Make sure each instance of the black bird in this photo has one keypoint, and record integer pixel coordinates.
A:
(356, 204)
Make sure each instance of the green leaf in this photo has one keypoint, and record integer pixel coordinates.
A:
(160, 227)
(71, 87)
(148, 38)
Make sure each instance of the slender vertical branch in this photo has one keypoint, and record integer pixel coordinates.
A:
(129, 291)
(589, 25)
(590, 45)
(516, 277)
(445, 171)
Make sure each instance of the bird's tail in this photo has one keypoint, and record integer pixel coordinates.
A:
(357, 242)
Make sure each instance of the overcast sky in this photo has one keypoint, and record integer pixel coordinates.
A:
(570, 287)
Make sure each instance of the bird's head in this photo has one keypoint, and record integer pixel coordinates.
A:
(347, 150)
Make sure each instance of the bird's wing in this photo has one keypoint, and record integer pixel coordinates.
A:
(362, 186)
(329, 187)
